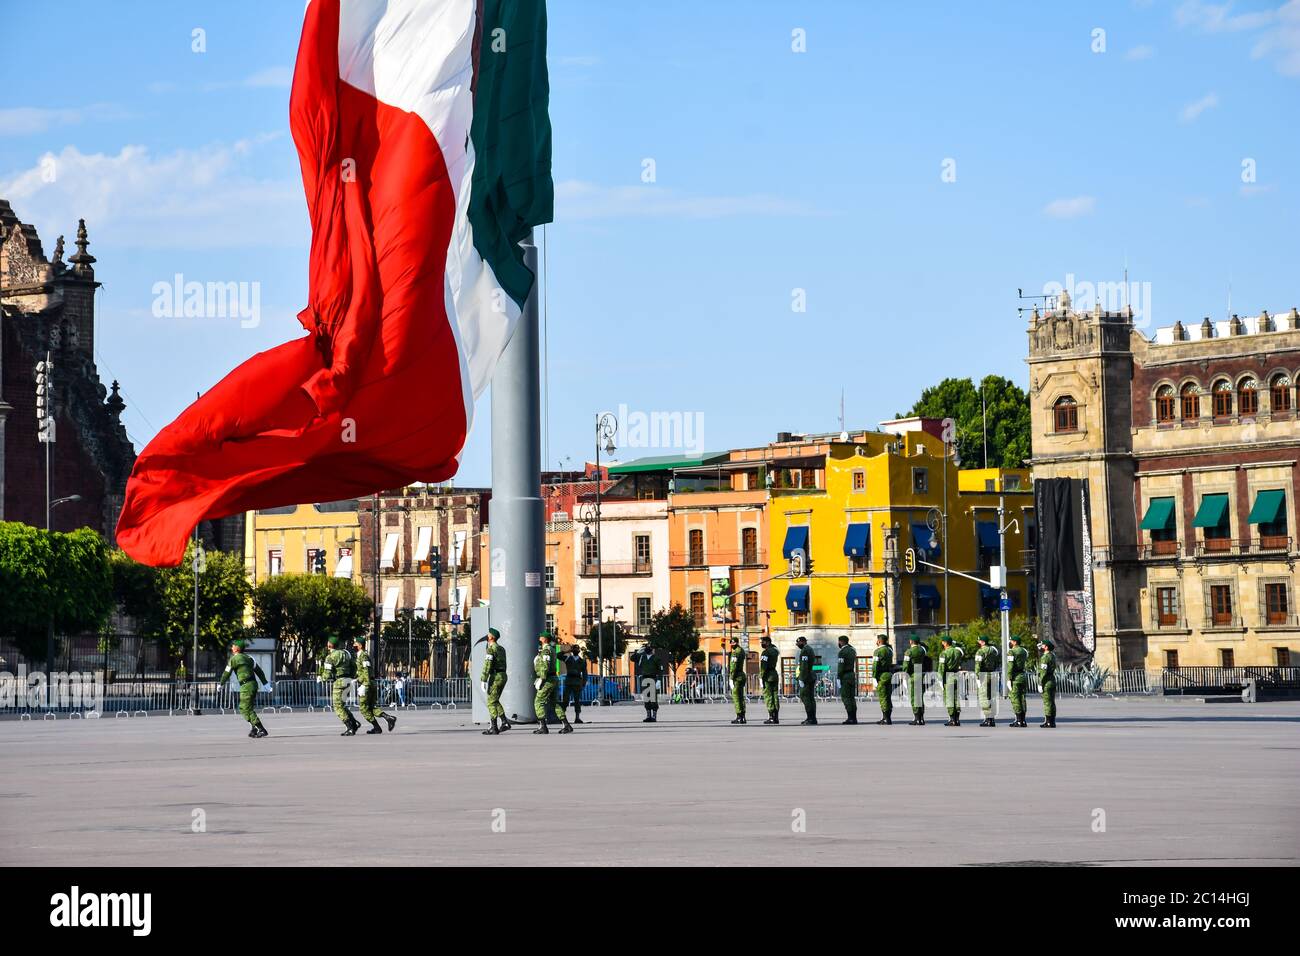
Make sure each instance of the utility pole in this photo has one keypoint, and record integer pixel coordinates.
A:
(1002, 594)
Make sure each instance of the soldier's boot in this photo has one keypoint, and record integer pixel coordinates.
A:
(1051, 722)
(1046, 722)
(568, 727)
(505, 724)
(888, 719)
(769, 720)
(542, 729)
(654, 713)
(493, 730)
(349, 729)
(776, 717)
(252, 730)
(392, 722)
(261, 731)
(1019, 721)
(375, 728)
(577, 714)
(920, 720)
(649, 716)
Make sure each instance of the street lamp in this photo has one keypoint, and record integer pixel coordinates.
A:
(606, 429)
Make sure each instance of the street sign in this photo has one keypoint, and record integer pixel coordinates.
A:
(455, 619)
(909, 560)
(1004, 603)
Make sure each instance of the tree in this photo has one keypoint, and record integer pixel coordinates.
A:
(49, 575)
(615, 641)
(223, 595)
(303, 610)
(967, 635)
(1008, 419)
(673, 631)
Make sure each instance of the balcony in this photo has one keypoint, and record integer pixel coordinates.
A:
(553, 596)
(638, 566)
(703, 559)
(1272, 542)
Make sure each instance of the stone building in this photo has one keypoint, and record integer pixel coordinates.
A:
(1190, 443)
(47, 306)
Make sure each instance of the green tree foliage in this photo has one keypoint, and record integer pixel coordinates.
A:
(673, 632)
(1008, 419)
(223, 595)
(303, 610)
(615, 641)
(46, 574)
(967, 635)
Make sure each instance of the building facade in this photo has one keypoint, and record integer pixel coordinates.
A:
(1190, 443)
(319, 538)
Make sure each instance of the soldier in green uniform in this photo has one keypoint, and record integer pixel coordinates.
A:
(1047, 681)
(882, 669)
(493, 681)
(915, 664)
(336, 670)
(769, 663)
(848, 678)
(804, 660)
(739, 679)
(650, 671)
(1018, 678)
(575, 679)
(248, 673)
(367, 693)
(950, 659)
(546, 684)
(988, 661)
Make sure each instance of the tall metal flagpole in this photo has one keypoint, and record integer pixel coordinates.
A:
(518, 542)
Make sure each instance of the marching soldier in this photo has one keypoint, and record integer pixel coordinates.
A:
(988, 660)
(493, 681)
(1047, 681)
(1018, 678)
(246, 669)
(882, 669)
(915, 664)
(736, 671)
(336, 670)
(575, 679)
(848, 677)
(544, 706)
(650, 670)
(769, 671)
(950, 659)
(371, 711)
(804, 660)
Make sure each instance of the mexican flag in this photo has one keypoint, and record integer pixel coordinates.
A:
(425, 146)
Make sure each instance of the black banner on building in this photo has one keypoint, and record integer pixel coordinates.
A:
(1063, 568)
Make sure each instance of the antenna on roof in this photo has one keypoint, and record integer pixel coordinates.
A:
(843, 430)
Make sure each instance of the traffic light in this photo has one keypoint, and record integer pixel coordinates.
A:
(318, 562)
(435, 563)
(798, 562)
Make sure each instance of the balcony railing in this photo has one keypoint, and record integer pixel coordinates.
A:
(554, 596)
(616, 568)
(701, 559)
(1227, 547)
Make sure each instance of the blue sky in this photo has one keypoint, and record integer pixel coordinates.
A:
(775, 171)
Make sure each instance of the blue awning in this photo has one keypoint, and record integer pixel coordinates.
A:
(796, 597)
(927, 596)
(988, 534)
(860, 596)
(857, 540)
(921, 535)
(796, 538)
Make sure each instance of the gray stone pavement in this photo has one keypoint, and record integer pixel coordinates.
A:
(1179, 783)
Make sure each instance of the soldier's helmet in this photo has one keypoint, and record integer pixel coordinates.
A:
(1047, 643)
(983, 638)
(545, 636)
(359, 640)
(915, 638)
(332, 641)
(238, 644)
(494, 634)
(1014, 638)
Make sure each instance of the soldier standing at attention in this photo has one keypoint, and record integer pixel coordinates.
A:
(493, 681)
(769, 664)
(1047, 681)
(575, 679)
(950, 659)
(336, 670)
(988, 661)
(882, 669)
(848, 677)
(246, 669)
(367, 696)
(736, 671)
(804, 660)
(914, 666)
(544, 706)
(650, 670)
(1018, 678)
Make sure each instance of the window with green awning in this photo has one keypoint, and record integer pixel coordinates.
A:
(1268, 505)
(1159, 516)
(1213, 512)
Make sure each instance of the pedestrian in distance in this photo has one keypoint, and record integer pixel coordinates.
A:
(736, 671)
(399, 688)
(848, 677)
(547, 685)
(950, 659)
(768, 665)
(1047, 681)
(492, 681)
(367, 694)
(1018, 679)
(988, 662)
(916, 662)
(575, 679)
(882, 669)
(336, 670)
(248, 673)
(650, 671)
(805, 659)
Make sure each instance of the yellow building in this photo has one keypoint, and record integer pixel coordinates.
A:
(875, 497)
(300, 539)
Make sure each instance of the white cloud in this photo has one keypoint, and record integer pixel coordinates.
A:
(1071, 208)
(271, 78)
(26, 120)
(211, 197)
(1281, 42)
(1278, 29)
(1218, 17)
(576, 200)
(1141, 52)
(1192, 111)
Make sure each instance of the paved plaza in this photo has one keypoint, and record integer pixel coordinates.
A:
(1177, 782)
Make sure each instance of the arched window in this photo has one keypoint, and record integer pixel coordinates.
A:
(1066, 412)
(1222, 392)
(1247, 396)
(1166, 407)
(1279, 393)
(1191, 395)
